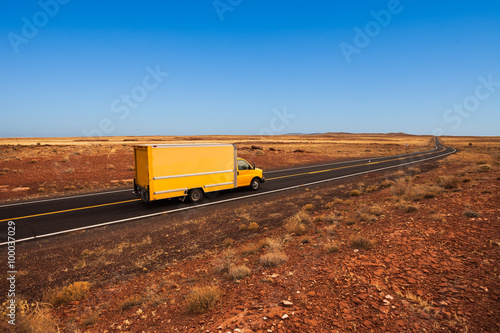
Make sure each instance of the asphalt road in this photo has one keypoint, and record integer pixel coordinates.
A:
(44, 218)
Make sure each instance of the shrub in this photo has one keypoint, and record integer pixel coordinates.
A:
(361, 243)
(253, 226)
(400, 187)
(271, 244)
(331, 230)
(332, 247)
(239, 272)
(224, 263)
(273, 259)
(484, 168)
(336, 201)
(419, 192)
(308, 207)
(73, 292)
(386, 183)
(298, 223)
(404, 206)
(366, 217)
(36, 320)
(227, 242)
(130, 302)
(448, 182)
(355, 193)
(470, 213)
(201, 299)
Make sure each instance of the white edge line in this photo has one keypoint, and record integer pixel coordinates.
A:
(62, 198)
(354, 161)
(223, 201)
(267, 172)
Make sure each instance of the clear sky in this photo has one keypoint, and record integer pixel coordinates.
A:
(90, 68)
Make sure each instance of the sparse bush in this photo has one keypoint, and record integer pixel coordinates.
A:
(470, 213)
(36, 320)
(111, 167)
(227, 242)
(375, 210)
(242, 227)
(252, 226)
(366, 217)
(406, 207)
(273, 259)
(448, 182)
(294, 226)
(332, 247)
(308, 207)
(331, 230)
(130, 302)
(419, 192)
(272, 244)
(73, 292)
(201, 299)
(355, 193)
(386, 183)
(298, 224)
(224, 263)
(91, 319)
(361, 243)
(239, 272)
(400, 187)
(437, 217)
(484, 168)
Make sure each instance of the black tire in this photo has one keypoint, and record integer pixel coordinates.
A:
(195, 195)
(255, 184)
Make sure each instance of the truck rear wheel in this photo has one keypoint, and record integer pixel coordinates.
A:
(195, 195)
(255, 184)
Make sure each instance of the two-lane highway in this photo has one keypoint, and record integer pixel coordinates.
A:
(43, 218)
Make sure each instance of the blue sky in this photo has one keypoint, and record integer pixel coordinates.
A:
(89, 68)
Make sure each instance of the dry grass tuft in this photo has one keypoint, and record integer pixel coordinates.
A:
(308, 207)
(298, 224)
(252, 226)
(227, 242)
(448, 182)
(36, 320)
(273, 259)
(130, 302)
(239, 272)
(355, 193)
(73, 292)
(224, 263)
(201, 299)
(484, 168)
(332, 247)
(361, 243)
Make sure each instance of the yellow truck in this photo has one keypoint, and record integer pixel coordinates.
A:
(190, 170)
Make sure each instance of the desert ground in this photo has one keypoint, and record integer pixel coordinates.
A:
(411, 250)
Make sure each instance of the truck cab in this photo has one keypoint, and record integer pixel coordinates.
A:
(249, 175)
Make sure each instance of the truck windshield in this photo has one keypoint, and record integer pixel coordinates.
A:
(243, 165)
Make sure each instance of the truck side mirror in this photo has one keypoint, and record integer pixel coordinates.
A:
(254, 166)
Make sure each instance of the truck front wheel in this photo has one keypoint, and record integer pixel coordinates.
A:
(195, 195)
(255, 184)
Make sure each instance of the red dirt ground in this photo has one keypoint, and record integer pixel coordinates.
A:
(427, 267)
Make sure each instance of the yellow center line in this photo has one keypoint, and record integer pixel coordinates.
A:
(294, 175)
(69, 210)
(350, 166)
